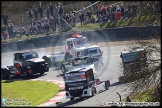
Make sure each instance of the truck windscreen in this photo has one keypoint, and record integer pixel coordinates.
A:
(133, 56)
(73, 77)
(30, 55)
(81, 41)
(90, 51)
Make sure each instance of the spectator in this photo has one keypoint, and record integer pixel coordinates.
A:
(104, 11)
(92, 20)
(60, 10)
(40, 29)
(45, 24)
(113, 10)
(36, 14)
(128, 99)
(10, 30)
(82, 10)
(74, 19)
(40, 12)
(16, 33)
(3, 28)
(52, 24)
(33, 23)
(94, 6)
(100, 9)
(5, 18)
(51, 9)
(81, 18)
(113, 16)
(88, 14)
(109, 12)
(122, 11)
(118, 8)
(4, 35)
(47, 12)
(23, 31)
(30, 14)
(39, 22)
(129, 8)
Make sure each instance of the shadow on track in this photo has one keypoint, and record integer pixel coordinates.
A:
(14, 78)
(71, 102)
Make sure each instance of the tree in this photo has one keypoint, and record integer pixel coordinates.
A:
(151, 78)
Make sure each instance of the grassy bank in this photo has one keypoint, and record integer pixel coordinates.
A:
(36, 92)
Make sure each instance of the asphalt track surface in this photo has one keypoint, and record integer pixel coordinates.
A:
(110, 71)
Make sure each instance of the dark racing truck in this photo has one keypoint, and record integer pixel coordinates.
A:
(25, 64)
(134, 65)
(82, 81)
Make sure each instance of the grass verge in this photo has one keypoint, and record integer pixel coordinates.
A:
(36, 92)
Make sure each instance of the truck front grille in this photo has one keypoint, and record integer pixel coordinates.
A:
(76, 93)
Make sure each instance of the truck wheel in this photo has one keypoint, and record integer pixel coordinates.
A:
(47, 69)
(71, 98)
(94, 91)
(106, 85)
(25, 74)
(47, 60)
(63, 69)
(4, 74)
(41, 73)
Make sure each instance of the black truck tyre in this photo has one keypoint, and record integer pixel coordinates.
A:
(47, 60)
(106, 85)
(94, 91)
(41, 73)
(25, 74)
(5, 74)
(63, 69)
(71, 98)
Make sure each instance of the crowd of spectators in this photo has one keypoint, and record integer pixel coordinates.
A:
(43, 22)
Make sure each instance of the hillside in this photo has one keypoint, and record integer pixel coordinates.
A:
(16, 9)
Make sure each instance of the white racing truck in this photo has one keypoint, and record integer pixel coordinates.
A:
(81, 78)
(75, 47)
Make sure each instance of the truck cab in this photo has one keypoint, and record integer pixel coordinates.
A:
(133, 62)
(81, 79)
(73, 43)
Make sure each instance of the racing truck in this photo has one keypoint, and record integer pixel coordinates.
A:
(81, 79)
(73, 49)
(134, 65)
(25, 64)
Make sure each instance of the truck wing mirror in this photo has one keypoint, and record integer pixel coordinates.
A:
(120, 56)
(17, 65)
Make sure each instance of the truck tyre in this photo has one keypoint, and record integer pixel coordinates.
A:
(63, 69)
(4, 74)
(66, 57)
(71, 98)
(41, 73)
(25, 74)
(93, 91)
(106, 85)
(47, 60)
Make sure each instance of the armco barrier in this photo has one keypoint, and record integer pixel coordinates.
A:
(103, 35)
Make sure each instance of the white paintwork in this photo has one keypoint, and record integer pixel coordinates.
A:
(36, 60)
(89, 93)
